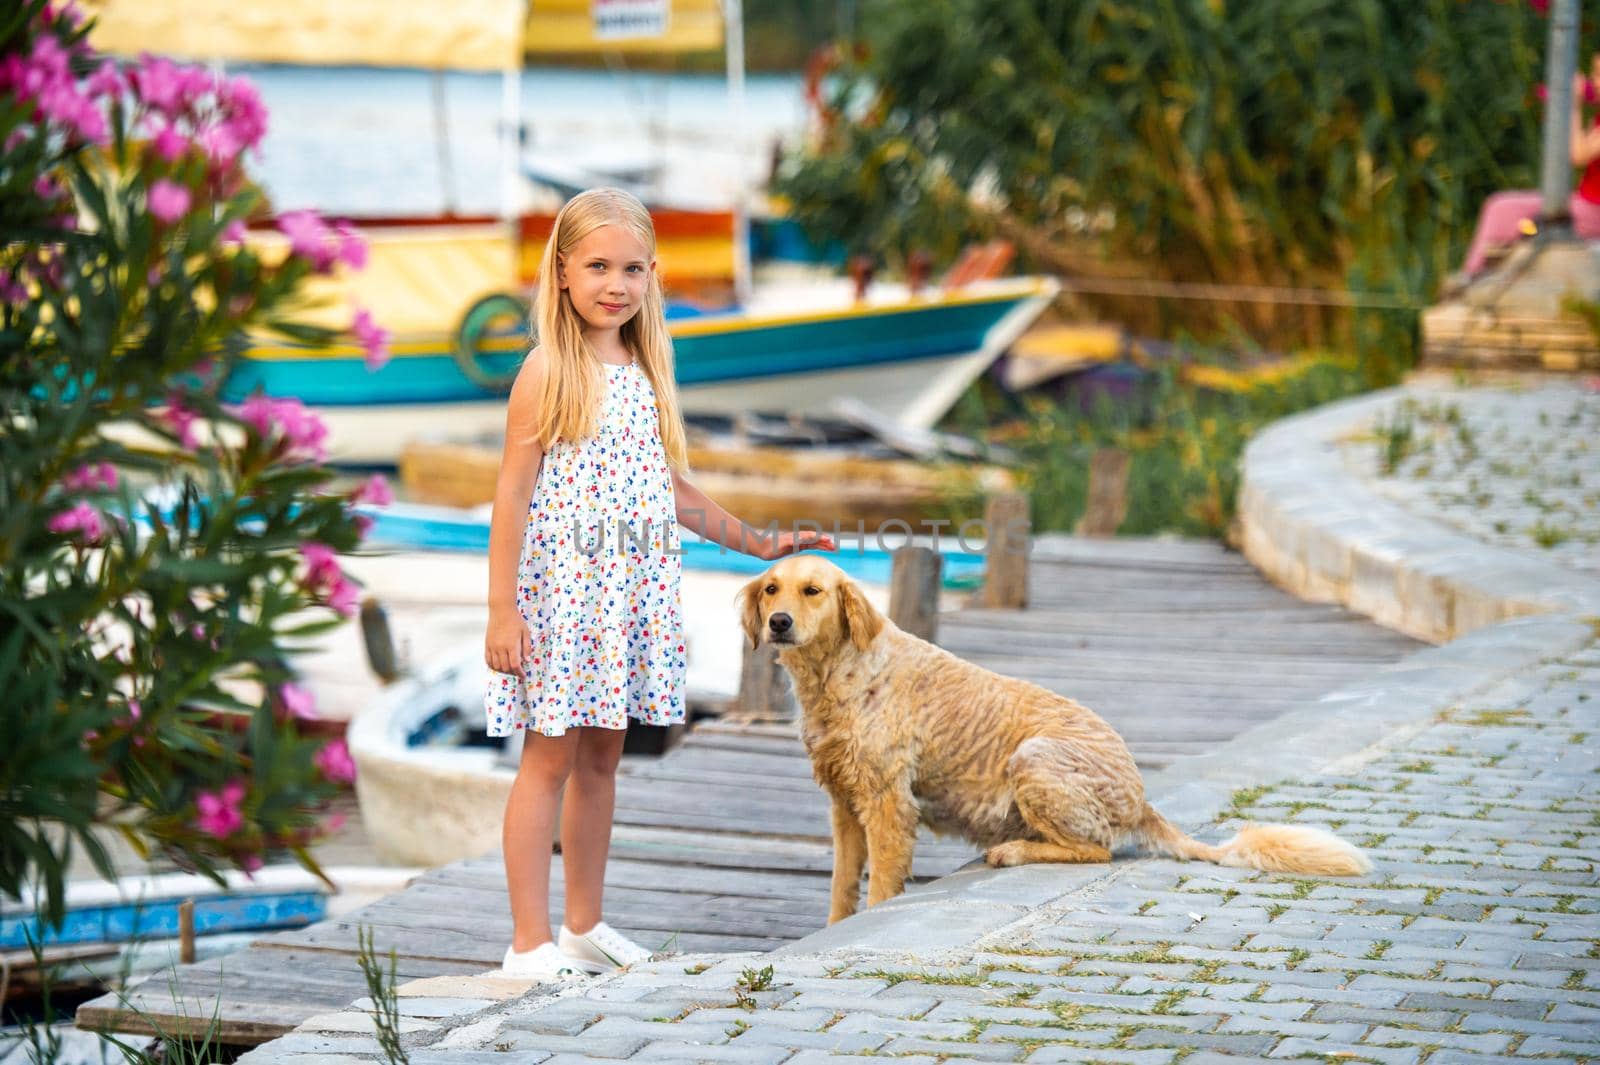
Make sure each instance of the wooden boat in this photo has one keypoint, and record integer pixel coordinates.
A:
(793, 349)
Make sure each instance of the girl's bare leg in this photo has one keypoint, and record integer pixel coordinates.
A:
(529, 830)
(586, 823)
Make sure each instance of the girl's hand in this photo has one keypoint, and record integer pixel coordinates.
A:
(506, 644)
(788, 543)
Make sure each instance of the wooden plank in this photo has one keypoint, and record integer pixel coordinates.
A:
(417, 912)
(735, 777)
(783, 747)
(1246, 644)
(1309, 672)
(934, 856)
(773, 764)
(448, 945)
(635, 874)
(257, 994)
(713, 727)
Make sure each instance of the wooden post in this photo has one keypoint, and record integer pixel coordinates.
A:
(1007, 543)
(914, 591)
(380, 642)
(1108, 493)
(186, 932)
(764, 690)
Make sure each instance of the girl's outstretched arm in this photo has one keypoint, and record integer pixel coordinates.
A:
(506, 642)
(699, 513)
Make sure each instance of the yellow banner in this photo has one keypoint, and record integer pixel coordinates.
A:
(639, 26)
(458, 35)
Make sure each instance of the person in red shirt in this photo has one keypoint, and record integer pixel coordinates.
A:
(1506, 216)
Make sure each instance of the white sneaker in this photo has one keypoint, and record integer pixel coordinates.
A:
(601, 949)
(544, 963)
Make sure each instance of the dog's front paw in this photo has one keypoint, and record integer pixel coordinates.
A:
(1004, 854)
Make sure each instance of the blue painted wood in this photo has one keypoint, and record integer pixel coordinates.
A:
(737, 353)
(396, 526)
(158, 918)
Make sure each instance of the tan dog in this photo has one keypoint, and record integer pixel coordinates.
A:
(901, 731)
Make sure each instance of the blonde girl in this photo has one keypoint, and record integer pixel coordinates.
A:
(585, 624)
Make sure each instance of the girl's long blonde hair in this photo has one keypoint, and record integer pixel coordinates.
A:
(568, 405)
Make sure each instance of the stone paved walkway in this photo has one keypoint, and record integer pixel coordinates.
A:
(1516, 465)
(1477, 939)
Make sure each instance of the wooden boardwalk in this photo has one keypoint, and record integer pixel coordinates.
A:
(723, 843)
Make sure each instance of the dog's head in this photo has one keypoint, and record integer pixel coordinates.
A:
(807, 601)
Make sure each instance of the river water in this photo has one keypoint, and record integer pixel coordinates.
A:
(363, 141)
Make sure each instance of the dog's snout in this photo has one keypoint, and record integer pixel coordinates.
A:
(780, 623)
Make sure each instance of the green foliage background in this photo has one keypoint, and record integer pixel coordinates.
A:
(1301, 142)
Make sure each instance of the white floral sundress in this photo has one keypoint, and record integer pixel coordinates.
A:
(598, 579)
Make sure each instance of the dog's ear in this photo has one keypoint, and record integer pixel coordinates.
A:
(860, 619)
(750, 610)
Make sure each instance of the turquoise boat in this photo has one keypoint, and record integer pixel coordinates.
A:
(795, 350)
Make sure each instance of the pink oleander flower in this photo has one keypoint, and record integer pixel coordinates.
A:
(335, 762)
(182, 421)
(298, 702)
(363, 525)
(233, 232)
(352, 245)
(221, 144)
(374, 490)
(250, 864)
(260, 413)
(169, 201)
(239, 101)
(309, 238)
(345, 597)
(322, 568)
(169, 143)
(81, 518)
(194, 83)
(373, 337)
(105, 81)
(87, 478)
(303, 431)
(158, 84)
(219, 814)
(132, 716)
(45, 187)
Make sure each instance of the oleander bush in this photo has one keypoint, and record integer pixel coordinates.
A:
(161, 552)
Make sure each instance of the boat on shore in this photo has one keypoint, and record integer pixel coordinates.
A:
(796, 348)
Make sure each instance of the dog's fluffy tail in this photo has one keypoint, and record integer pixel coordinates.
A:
(1270, 848)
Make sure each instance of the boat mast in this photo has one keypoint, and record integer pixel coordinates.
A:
(733, 46)
(511, 115)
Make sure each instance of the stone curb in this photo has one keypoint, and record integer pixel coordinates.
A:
(1314, 528)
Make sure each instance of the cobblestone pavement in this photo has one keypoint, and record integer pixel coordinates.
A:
(1477, 939)
(1513, 466)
